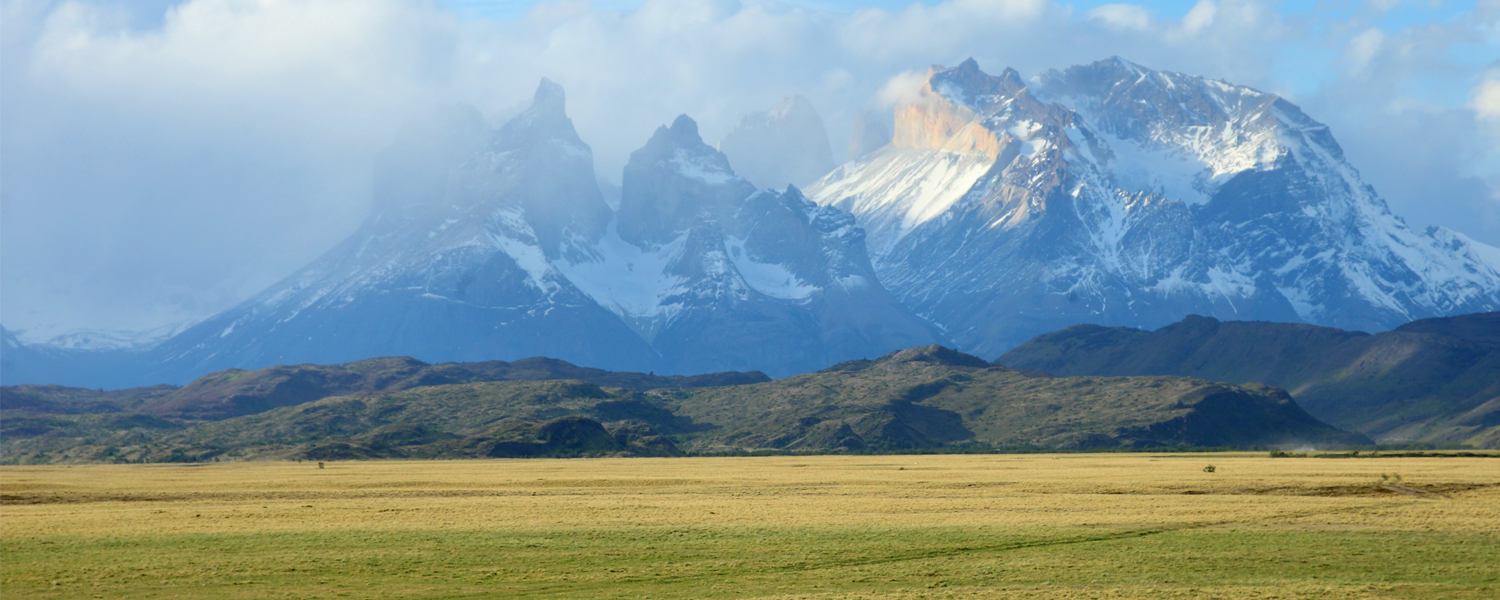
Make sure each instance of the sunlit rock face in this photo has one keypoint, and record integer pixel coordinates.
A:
(1113, 194)
(787, 145)
(498, 244)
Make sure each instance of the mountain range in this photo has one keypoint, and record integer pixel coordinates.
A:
(499, 244)
(1114, 194)
(1000, 209)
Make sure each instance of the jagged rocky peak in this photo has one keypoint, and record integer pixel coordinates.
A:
(1002, 133)
(965, 110)
(544, 122)
(533, 177)
(1134, 102)
(820, 246)
(969, 85)
(962, 125)
(1214, 129)
(673, 181)
(938, 122)
(549, 101)
(787, 145)
(538, 166)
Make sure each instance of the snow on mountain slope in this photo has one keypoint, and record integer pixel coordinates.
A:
(499, 245)
(899, 189)
(1398, 273)
(716, 274)
(1477, 251)
(102, 339)
(1125, 196)
(629, 281)
(454, 262)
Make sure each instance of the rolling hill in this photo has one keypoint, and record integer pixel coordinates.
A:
(921, 399)
(1431, 380)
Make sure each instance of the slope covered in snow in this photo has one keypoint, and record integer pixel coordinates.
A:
(499, 244)
(717, 274)
(454, 262)
(1119, 195)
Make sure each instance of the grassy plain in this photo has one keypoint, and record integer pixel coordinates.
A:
(955, 526)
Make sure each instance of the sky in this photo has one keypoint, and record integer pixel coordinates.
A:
(164, 160)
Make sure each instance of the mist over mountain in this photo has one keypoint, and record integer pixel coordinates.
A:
(499, 244)
(871, 131)
(164, 161)
(787, 145)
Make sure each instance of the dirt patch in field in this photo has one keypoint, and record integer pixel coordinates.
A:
(15, 499)
(1434, 490)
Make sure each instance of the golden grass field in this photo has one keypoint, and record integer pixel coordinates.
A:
(959, 526)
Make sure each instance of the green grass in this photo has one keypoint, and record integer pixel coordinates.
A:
(709, 562)
(960, 526)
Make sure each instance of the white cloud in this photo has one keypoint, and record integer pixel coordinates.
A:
(155, 165)
(1121, 17)
(1199, 17)
(902, 88)
(1382, 6)
(1362, 49)
(1484, 99)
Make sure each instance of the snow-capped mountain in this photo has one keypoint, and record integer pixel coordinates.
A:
(453, 262)
(787, 145)
(715, 273)
(499, 245)
(1114, 194)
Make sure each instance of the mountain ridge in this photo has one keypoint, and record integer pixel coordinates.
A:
(1431, 380)
(498, 244)
(1113, 193)
(928, 398)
